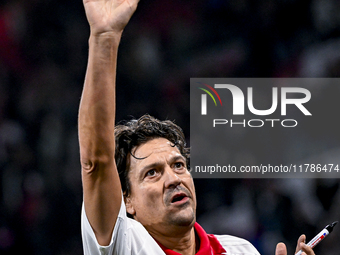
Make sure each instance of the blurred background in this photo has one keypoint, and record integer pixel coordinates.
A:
(43, 55)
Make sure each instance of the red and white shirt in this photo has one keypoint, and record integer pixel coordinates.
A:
(208, 244)
(131, 238)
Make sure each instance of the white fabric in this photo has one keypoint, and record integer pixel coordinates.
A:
(131, 238)
(236, 246)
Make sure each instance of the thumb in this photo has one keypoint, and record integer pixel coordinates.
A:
(281, 249)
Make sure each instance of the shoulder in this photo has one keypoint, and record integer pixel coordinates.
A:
(128, 237)
(236, 245)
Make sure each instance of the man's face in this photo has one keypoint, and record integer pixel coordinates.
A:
(162, 189)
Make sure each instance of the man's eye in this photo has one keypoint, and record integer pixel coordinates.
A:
(151, 172)
(179, 165)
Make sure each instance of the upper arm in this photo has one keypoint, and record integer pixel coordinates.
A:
(102, 197)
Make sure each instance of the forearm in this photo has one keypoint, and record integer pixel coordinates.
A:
(102, 190)
(97, 106)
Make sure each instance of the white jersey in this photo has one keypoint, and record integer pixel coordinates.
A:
(131, 238)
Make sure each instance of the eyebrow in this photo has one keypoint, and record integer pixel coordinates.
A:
(178, 157)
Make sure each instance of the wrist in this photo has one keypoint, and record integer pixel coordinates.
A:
(104, 47)
(105, 37)
(105, 40)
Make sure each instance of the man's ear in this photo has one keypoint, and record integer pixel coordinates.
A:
(129, 207)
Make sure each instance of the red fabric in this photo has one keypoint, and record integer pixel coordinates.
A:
(209, 245)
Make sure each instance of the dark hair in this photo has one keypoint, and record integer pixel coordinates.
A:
(138, 131)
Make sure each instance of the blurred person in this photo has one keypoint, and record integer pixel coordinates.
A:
(140, 168)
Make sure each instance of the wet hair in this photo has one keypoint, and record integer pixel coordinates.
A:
(139, 131)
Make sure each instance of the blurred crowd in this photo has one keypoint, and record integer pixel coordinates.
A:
(43, 55)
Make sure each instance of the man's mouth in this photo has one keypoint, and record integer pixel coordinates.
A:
(179, 198)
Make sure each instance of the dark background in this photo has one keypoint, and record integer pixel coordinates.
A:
(43, 54)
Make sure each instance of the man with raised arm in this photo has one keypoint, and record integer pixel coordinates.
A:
(139, 168)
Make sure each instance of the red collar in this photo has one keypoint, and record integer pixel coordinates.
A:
(209, 245)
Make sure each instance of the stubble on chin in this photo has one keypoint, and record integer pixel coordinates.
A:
(183, 218)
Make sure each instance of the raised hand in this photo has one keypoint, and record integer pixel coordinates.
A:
(101, 184)
(109, 16)
(282, 250)
(302, 246)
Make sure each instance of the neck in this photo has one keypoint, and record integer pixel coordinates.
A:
(184, 243)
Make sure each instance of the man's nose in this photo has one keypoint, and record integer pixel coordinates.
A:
(171, 178)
